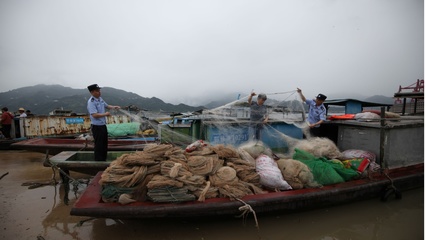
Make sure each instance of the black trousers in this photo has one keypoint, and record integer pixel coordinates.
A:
(315, 132)
(100, 134)
(6, 130)
(255, 131)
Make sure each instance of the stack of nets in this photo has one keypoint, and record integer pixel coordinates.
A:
(163, 173)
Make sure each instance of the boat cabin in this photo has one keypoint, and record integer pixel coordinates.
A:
(353, 106)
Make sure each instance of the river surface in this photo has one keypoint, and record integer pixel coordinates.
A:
(41, 213)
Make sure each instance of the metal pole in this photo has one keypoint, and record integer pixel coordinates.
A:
(382, 137)
(403, 106)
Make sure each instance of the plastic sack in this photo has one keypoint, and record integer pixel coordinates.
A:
(366, 115)
(270, 175)
(358, 164)
(355, 153)
(193, 146)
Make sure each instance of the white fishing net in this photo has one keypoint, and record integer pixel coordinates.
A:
(230, 123)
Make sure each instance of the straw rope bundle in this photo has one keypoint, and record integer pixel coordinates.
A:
(228, 184)
(174, 169)
(225, 152)
(201, 151)
(204, 165)
(164, 173)
(297, 174)
(121, 175)
(170, 194)
(125, 179)
(157, 151)
(244, 155)
(159, 181)
(224, 176)
(245, 171)
(194, 183)
(137, 159)
(175, 152)
(205, 191)
(165, 189)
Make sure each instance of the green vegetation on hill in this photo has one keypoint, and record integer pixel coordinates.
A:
(42, 99)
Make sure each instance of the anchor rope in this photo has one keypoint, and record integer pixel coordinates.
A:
(247, 209)
(54, 167)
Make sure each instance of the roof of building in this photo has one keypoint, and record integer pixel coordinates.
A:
(344, 102)
(409, 95)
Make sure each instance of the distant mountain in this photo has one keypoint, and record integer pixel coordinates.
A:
(380, 99)
(42, 99)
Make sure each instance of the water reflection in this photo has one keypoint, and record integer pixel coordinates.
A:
(28, 213)
(365, 220)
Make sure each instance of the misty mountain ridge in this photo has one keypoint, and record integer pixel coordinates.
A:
(42, 99)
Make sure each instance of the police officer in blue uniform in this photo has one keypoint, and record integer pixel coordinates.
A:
(317, 112)
(96, 107)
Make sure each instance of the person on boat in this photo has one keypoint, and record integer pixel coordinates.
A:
(96, 107)
(258, 115)
(6, 122)
(29, 114)
(317, 112)
(22, 113)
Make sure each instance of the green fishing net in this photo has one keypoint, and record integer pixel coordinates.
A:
(325, 171)
(111, 193)
(123, 129)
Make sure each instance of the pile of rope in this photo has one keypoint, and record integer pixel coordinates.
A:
(165, 173)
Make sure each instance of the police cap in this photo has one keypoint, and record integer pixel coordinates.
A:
(93, 87)
(321, 97)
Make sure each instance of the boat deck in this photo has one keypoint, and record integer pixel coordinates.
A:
(402, 122)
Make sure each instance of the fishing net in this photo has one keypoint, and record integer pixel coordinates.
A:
(182, 167)
(297, 174)
(325, 172)
(228, 124)
(123, 129)
(170, 194)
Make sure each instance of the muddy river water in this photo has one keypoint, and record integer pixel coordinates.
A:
(41, 213)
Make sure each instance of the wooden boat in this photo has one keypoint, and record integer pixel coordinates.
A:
(56, 145)
(5, 144)
(380, 185)
(402, 162)
(82, 161)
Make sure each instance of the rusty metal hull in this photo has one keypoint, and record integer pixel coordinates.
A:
(43, 126)
(91, 204)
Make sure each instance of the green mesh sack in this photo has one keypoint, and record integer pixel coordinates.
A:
(346, 173)
(123, 129)
(323, 170)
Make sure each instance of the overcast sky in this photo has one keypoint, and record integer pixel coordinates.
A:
(183, 50)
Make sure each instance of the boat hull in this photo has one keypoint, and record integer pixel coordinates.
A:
(90, 203)
(54, 146)
(82, 161)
